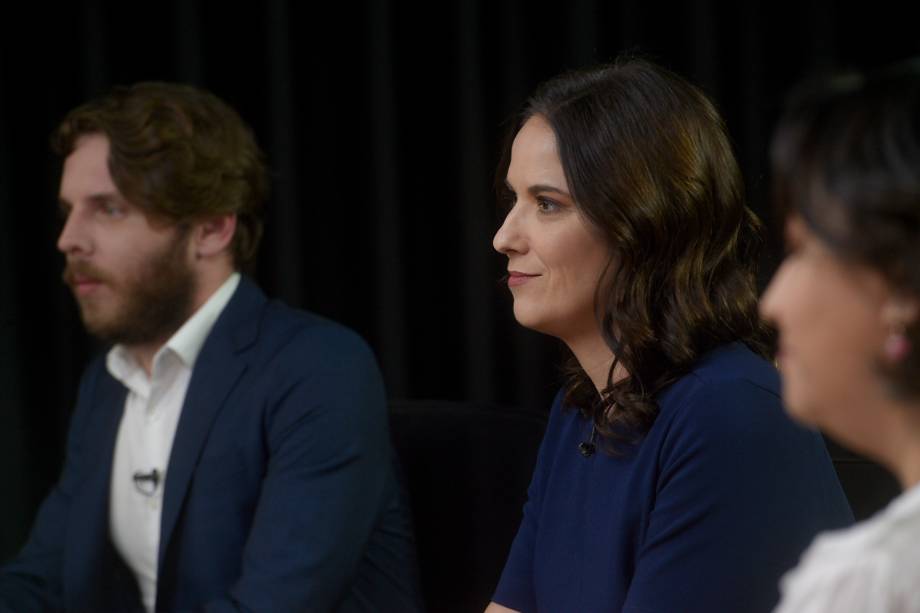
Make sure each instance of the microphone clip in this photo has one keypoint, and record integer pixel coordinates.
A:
(587, 448)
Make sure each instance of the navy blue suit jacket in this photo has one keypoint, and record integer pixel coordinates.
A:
(280, 492)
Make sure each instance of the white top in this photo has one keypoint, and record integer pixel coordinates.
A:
(873, 567)
(145, 438)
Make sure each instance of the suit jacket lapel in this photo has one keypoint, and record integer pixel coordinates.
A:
(88, 530)
(219, 367)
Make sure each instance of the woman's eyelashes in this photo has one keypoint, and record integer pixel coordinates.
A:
(545, 205)
(548, 206)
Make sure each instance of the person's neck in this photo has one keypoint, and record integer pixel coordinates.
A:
(144, 353)
(595, 358)
(901, 449)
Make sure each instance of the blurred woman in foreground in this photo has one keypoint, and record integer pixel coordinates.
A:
(846, 160)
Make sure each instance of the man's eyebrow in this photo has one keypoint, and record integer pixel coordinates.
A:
(103, 197)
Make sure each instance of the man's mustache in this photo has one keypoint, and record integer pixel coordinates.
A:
(84, 270)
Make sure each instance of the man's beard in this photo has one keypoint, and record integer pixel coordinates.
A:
(155, 299)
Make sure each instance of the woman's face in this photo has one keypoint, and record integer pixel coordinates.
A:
(555, 257)
(831, 319)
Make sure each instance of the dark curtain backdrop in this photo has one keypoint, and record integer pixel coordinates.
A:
(381, 121)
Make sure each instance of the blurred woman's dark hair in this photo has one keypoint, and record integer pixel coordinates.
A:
(649, 163)
(846, 160)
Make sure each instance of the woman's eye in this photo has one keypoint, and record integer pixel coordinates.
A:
(547, 206)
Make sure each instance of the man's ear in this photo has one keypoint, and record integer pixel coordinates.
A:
(213, 235)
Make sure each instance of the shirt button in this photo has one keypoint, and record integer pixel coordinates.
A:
(154, 503)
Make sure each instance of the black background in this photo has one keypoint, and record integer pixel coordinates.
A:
(381, 121)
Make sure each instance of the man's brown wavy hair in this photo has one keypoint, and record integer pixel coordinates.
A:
(649, 163)
(180, 154)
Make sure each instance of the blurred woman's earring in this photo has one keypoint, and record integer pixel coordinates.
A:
(896, 345)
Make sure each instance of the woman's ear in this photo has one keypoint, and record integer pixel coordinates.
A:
(900, 311)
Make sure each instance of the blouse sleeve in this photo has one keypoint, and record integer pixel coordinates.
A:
(740, 493)
(856, 584)
(516, 586)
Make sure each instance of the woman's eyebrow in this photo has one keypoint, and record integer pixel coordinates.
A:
(540, 187)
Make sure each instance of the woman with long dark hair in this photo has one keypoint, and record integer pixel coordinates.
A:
(846, 301)
(669, 478)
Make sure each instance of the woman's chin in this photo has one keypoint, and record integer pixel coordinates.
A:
(804, 409)
(529, 317)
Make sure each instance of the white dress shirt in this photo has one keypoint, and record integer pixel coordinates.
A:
(873, 567)
(145, 437)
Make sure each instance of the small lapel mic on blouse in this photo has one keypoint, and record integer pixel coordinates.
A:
(587, 448)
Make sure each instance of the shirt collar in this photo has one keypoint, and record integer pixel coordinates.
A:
(185, 343)
(188, 340)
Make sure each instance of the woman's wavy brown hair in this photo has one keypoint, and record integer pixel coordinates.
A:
(180, 154)
(846, 160)
(648, 162)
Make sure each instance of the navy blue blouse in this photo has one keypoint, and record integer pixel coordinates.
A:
(705, 514)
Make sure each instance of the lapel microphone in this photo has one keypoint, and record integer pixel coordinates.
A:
(146, 483)
(587, 448)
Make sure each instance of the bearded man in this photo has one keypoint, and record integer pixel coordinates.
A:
(227, 453)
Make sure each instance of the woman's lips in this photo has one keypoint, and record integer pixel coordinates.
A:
(519, 278)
